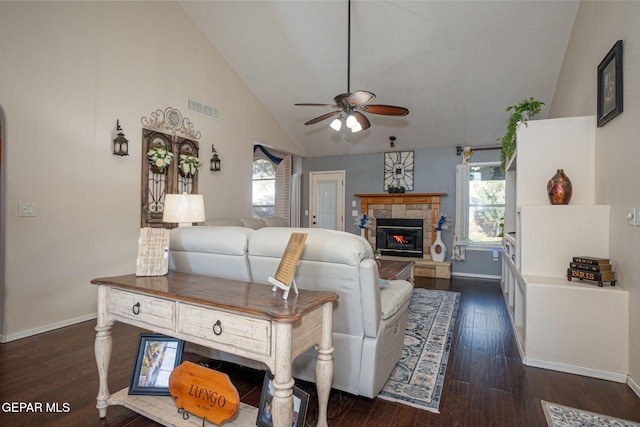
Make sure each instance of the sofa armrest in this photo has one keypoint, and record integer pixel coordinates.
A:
(370, 293)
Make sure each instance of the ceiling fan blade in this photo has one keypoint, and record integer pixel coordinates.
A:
(322, 117)
(385, 110)
(362, 119)
(314, 105)
(360, 97)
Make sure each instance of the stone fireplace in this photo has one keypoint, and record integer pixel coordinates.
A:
(423, 207)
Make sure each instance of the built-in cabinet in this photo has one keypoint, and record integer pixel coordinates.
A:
(570, 326)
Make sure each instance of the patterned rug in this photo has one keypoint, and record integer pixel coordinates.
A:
(564, 416)
(417, 378)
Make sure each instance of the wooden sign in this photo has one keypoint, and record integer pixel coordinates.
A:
(153, 252)
(204, 392)
(290, 258)
(287, 267)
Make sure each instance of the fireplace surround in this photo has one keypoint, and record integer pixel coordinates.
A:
(422, 206)
(400, 237)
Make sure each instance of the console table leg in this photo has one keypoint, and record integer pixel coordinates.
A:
(102, 348)
(324, 364)
(282, 405)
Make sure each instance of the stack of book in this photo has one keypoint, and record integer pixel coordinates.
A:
(590, 268)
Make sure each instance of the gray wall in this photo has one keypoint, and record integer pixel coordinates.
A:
(434, 172)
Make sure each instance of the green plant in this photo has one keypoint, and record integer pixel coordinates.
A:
(519, 113)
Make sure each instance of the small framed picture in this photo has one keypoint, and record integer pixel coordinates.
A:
(610, 85)
(300, 402)
(156, 358)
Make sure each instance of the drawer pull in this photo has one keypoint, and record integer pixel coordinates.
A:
(136, 308)
(217, 328)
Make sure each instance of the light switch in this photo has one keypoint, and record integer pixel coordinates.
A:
(354, 213)
(353, 204)
(632, 216)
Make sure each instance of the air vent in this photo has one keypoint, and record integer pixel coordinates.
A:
(203, 109)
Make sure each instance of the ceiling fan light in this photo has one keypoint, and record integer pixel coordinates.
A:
(351, 121)
(356, 128)
(336, 124)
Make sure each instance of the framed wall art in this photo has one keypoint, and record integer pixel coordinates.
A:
(300, 402)
(157, 357)
(398, 171)
(610, 85)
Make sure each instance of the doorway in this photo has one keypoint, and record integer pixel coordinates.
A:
(326, 200)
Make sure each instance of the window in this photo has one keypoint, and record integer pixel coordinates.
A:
(480, 204)
(264, 188)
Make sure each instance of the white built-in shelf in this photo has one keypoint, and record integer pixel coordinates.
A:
(570, 326)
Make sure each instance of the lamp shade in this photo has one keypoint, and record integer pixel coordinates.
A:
(184, 209)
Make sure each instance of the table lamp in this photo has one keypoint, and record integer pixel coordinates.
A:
(185, 209)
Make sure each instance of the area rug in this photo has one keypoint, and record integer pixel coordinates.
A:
(564, 416)
(417, 378)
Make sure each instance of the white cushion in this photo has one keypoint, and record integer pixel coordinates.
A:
(394, 297)
(275, 221)
(321, 245)
(224, 221)
(216, 240)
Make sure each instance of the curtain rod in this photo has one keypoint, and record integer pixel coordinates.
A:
(460, 149)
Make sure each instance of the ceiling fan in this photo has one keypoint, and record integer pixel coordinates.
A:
(349, 106)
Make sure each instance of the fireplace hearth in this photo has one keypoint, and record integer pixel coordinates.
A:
(399, 237)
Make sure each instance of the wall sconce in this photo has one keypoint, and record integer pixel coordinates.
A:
(215, 161)
(120, 143)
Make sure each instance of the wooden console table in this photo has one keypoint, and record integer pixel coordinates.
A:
(251, 321)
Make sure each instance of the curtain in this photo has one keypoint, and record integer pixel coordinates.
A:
(461, 229)
(283, 189)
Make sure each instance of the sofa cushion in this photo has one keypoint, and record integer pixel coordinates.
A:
(216, 222)
(215, 240)
(276, 221)
(322, 245)
(211, 251)
(394, 297)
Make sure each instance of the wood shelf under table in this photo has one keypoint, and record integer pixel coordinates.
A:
(162, 409)
(252, 321)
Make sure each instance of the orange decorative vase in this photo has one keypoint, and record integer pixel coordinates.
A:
(559, 188)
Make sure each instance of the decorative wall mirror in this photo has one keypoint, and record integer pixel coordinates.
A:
(169, 162)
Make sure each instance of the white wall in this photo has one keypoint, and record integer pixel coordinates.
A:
(68, 71)
(597, 27)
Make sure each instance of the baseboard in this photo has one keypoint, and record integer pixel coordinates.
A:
(634, 385)
(578, 370)
(478, 276)
(47, 328)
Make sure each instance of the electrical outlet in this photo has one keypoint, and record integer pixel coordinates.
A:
(353, 203)
(26, 209)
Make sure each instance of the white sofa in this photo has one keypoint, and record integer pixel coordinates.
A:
(369, 320)
(254, 223)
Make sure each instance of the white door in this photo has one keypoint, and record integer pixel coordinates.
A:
(326, 200)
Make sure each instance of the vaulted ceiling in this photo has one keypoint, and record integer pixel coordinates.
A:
(456, 65)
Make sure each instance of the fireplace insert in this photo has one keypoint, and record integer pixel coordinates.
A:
(399, 236)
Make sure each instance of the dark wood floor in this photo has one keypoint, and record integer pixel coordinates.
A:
(485, 384)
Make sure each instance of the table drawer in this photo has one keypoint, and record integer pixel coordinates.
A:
(241, 332)
(156, 312)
